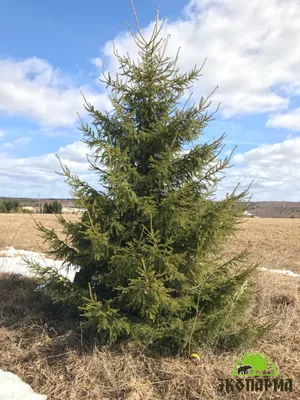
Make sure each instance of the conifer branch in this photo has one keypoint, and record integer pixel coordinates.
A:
(137, 23)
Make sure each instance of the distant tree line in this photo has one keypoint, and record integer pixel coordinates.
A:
(10, 206)
(13, 206)
(52, 208)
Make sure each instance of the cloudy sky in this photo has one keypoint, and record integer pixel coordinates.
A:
(50, 51)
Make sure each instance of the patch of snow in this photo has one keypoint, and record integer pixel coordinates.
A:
(285, 272)
(11, 261)
(247, 213)
(13, 388)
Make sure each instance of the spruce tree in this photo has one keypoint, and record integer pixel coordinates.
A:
(146, 248)
(52, 208)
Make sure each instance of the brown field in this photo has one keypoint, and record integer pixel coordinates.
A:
(19, 230)
(53, 357)
(274, 241)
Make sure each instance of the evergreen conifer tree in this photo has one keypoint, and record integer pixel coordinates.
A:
(146, 248)
(52, 208)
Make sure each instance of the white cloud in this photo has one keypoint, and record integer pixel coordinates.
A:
(7, 146)
(76, 151)
(22, 141)
(1, 133)
(252, 51)
(34, 89)
(274, 168)
(32, 175)
(289, 120)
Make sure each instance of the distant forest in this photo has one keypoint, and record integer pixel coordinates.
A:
(275, 209)
(263, 209)
(35, 202)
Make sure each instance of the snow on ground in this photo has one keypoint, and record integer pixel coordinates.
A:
(12, 261)
(12, 388)
(285, 272)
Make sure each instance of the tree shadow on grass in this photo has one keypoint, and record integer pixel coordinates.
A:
(36, 323)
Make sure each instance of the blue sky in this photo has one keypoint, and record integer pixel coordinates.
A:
(51, 50)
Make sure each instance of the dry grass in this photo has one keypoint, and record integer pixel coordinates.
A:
(277, 241)
(52, 356)
(19, 230)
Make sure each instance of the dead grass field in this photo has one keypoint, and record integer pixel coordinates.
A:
(51, 355)
(276, 241)
(19, 230)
